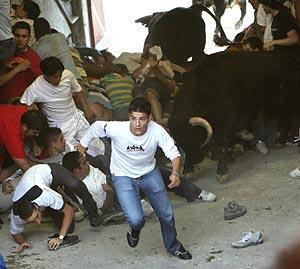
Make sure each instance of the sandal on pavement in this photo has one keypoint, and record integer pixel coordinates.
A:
(234, 210)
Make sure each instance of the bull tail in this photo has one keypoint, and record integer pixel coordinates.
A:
(223, 40)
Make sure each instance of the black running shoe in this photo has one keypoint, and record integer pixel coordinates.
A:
(68, 240)
(133, 237)
(182, 253)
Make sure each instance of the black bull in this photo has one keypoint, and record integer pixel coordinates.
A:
(180, 32)
(224, 87)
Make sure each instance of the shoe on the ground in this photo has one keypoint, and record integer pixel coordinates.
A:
(207, 196)
(295, 173)
(182, 253)
(262, 148)
(95, 221)
(233, 210)
(68, 240)
(248, 239)
(133, 240)
(114, 218)
(148, 209)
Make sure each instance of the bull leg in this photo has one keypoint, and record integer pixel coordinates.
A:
(188, 169)
(219, 10)
(242, 4)
(222, 170)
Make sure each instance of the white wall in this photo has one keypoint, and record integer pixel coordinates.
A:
(123, 34)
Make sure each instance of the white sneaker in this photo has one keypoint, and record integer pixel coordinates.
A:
(207, 196)
(148, 209)
(261, 147)
(248, 239)
(295, 173)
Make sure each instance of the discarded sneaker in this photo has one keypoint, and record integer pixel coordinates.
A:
(68, 240)
(207, 196)
(261, 147)
(148, 209)
(182, 253)
(248, 239)
(234, 210)
(133, 237)
(114, 218)
(295, 173)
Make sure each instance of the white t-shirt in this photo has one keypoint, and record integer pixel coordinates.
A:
(265, 20)
(57, 101)
(94, 182)
(132, 155)
(38, 175)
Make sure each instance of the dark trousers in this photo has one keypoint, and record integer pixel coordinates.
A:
(64, 178)
(186, 189)
(57, 217)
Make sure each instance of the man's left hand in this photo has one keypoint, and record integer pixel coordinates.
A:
(54, 243)
(175, 181)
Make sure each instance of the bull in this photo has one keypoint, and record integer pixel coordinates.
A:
(224, 87)
(180, 32)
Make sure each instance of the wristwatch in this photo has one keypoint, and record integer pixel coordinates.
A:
(61, 237)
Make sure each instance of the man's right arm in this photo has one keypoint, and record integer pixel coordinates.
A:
(97, 129)
(17, 226)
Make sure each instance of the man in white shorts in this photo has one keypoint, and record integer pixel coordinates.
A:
(54, 90)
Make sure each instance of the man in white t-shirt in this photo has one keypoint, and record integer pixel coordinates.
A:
(54, 90)
(48, 177)
(31, 196)
(133, 168)
(265, 20)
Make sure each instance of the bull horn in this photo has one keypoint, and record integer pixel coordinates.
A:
(197, 121)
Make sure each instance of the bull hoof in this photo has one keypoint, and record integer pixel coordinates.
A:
(189, 175)
(222, 178)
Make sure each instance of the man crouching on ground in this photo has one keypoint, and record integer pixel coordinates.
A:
(133, 168)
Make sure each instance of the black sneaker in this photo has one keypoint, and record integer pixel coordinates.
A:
(182, 253)
(95, 221)
(133, 240)
(68, 240)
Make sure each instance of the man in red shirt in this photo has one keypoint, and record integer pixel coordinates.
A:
(25, 67)
(17, 124)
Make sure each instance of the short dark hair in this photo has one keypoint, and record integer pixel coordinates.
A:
(25, 209)
(48, 135)
(51, 65)
(32, 8)
(140, 104)
(34, 119)
(71, 161)
(41, 27)
(122, 68)
(21, 25)
(254, 42)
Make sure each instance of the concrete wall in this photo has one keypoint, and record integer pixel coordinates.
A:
(52, 12)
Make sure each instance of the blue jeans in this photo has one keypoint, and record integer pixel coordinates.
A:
(153, 186)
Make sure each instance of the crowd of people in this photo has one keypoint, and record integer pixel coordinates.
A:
(54, 163)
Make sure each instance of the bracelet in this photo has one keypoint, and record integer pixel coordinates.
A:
(175, 173)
